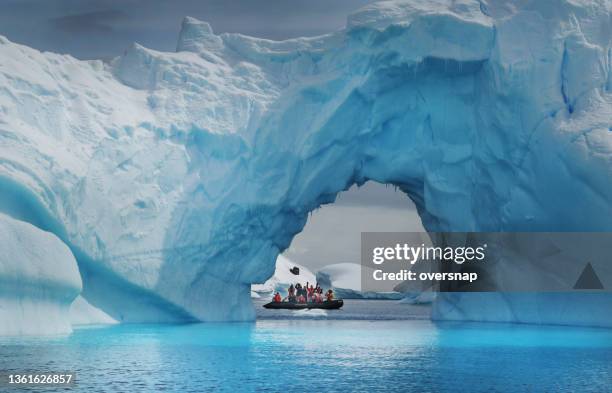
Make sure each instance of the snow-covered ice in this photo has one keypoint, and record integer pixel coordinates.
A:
(177, 178)
(39, 279)
(282, 278)
(83, 313)
(345, 280)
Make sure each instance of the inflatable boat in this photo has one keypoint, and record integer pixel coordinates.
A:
(326, 305)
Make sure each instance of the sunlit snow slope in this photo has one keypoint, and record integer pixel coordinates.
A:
(177, 178)
(283, 278)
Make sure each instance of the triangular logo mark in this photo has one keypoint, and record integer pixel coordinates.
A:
(588, 279)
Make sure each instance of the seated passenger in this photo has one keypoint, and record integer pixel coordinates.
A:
(329, 296)
(301, 299)
(277, 297)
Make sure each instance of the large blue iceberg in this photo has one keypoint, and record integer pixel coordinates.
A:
(174, 177)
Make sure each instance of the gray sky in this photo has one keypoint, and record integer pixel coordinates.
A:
(105, 28)
(333, 232)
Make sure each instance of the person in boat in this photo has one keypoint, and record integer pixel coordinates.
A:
(277, 298)
(329, 296)
(301, 299)
(299, 292)
(310, 290)
(318, 294)
(318, 297)
(291, 295)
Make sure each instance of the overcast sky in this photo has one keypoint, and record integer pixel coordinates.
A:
(105, 28)
(333, 232)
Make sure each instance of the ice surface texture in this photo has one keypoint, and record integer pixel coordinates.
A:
(83, 313)
(39, 279)
(177, 178)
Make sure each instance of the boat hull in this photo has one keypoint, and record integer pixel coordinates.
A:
(327, 305)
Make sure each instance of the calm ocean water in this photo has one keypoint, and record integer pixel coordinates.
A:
(369, 346)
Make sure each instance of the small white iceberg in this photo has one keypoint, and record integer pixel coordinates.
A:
(345, 280)
(282, 278)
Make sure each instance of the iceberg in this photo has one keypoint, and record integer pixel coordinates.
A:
(425, 297)
(283, 278)
(82, 313)
(345, 280)
(39, 279)
(174, 177)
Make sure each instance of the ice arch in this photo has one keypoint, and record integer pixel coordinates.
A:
(182, 175)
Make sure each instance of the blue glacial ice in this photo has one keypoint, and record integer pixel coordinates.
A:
(39, 279)
(175, 177)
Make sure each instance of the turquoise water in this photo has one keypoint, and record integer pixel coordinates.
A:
(322, 353)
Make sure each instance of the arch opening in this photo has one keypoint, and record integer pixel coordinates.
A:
(334, 229)
(327, 250)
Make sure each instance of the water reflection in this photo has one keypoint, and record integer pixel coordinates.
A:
(323, 355)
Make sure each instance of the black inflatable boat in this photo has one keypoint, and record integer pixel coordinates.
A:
(326, 305)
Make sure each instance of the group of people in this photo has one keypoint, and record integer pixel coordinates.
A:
(305, 294)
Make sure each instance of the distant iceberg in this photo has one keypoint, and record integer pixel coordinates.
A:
(425, 297)
(345, 280)
(283, 278)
